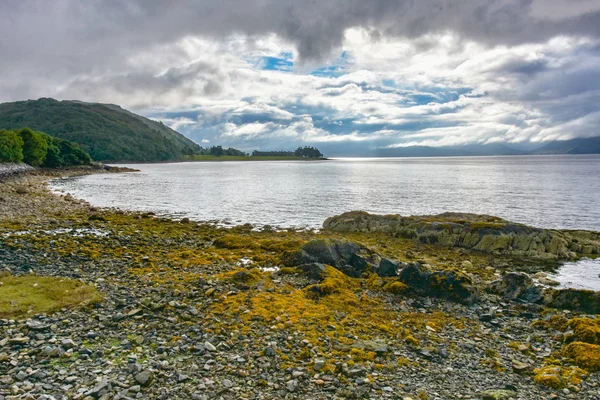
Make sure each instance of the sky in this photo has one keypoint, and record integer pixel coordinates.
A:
(347, 76)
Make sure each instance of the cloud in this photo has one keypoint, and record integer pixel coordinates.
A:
(342, 74)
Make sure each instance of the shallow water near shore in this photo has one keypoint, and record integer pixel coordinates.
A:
(583, 274)
(542, 191)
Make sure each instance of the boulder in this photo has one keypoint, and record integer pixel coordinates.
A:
(314, 271)
(349, 257)
(517, 286)
(448, 284)
(587, 301)
(387, 268)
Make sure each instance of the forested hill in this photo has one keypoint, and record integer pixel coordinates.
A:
(106, 131)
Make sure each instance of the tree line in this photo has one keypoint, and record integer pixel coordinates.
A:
(39, 149)
(220, 151)
(303, 152)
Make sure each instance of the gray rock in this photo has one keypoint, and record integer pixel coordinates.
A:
(350, 258)
(144, 378)
(209, 346)
(100, 389)
(387, 268)
(291, 385)
(516, 286)
(319, 364)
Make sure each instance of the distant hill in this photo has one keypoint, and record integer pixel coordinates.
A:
(106, 131)
(573, 146)
(446, 151)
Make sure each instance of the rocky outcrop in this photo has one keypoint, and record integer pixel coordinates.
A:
(448, 284)
(349, 257)
(476, 232)
(518, 286)
(353, 260)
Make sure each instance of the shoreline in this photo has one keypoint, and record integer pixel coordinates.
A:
(185, 315)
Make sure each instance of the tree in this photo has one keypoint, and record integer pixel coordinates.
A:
(308, 152)
(62, 153)
(35, 147)
(216, 151)
(11, 147)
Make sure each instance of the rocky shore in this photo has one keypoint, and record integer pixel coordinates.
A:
(368, 308)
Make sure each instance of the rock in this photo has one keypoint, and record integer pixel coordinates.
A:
(291, 385)
(144, 378)
(318, 364)
(471, 231)
(587, 301)
(498, 394)
(519, 366)
(37, 326)
(548, 281)
(485, 317)
(19, 340)
(350, 258)
(100, 389)
(447, 284)
(68, 344)
(516, 286)
(209, 346)
(387, 268)
(270, 352)
(227, 383)
(313, 270)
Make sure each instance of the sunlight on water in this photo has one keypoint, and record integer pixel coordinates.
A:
(543, 191)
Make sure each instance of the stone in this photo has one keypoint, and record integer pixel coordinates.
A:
(144, 378)
(519, 366)
(291, 385)
(486, 317)
(387, 268)
(19, 340)
(498, 394)
(446, 284)
(100, 389)
(319, 363)
(516, 286)
(209, 346)
(270, 352)
(349, 257)
(313, 270)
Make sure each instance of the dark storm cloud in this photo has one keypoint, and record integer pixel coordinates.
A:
(68, 28)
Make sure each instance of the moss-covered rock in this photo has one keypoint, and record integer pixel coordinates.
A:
(516, 286)
(470, 231)
(448, 284)
(584, 355)
(349, 257)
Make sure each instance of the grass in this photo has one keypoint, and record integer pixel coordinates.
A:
(246, 158)
(21, 296)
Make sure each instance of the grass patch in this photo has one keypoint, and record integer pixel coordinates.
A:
(21, 296)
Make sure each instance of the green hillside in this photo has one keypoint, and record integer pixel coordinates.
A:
(106, 131)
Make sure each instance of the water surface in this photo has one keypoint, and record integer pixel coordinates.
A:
(543, 191)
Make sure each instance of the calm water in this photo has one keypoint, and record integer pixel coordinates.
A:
(544, 191)
(583, 274)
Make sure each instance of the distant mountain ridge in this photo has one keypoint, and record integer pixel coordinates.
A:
(106, 131)
(573, 146)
